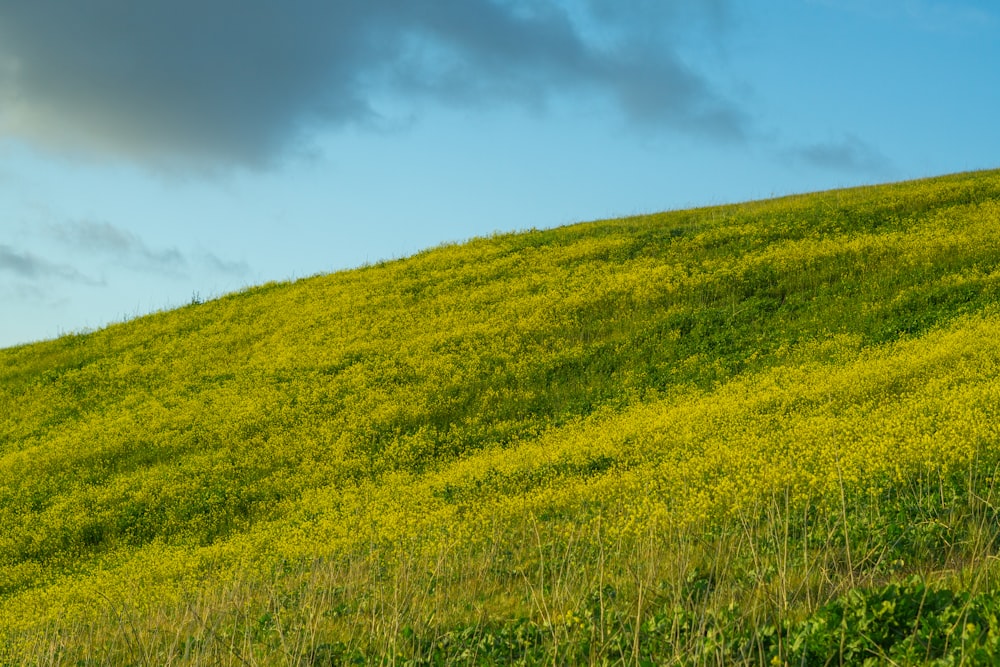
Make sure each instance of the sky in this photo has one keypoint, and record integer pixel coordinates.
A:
(158, 152)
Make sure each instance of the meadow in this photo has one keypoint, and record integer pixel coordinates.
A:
(763, 433)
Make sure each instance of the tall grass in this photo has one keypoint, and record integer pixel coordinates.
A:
(752, 589)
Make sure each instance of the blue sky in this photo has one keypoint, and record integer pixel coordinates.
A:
(157, 150)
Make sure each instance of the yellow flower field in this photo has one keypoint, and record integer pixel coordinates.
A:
(583, 444)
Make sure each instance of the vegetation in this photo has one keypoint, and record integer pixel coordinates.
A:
(765, 433)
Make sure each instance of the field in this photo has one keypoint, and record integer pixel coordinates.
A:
(763, 433)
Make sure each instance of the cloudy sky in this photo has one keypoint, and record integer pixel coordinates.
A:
(154, 151)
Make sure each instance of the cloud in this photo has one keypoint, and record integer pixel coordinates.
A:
(849, 154)
(242, 81)
(28, 266)
(128, 250)
(215, 263)
(119, 244)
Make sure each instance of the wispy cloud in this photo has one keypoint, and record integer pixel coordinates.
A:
(240, 81)
(849, 154)
(28, 266)
(237, 269)
(126, 249)
(118, 244)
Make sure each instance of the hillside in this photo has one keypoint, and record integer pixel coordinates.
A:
(688, 436)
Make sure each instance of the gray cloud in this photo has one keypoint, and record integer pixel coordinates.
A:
(849, 154)
(127, 249)
(219, 265)
(26, 265)
(22, 264)
(119, 244)
(241, 81)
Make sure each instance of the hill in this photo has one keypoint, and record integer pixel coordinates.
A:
(730, 434)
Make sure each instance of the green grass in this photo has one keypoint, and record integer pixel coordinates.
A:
(759, 433)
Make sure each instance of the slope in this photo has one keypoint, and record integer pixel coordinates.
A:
(503, 429)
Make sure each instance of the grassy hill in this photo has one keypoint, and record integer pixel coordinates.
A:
(756, 433)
